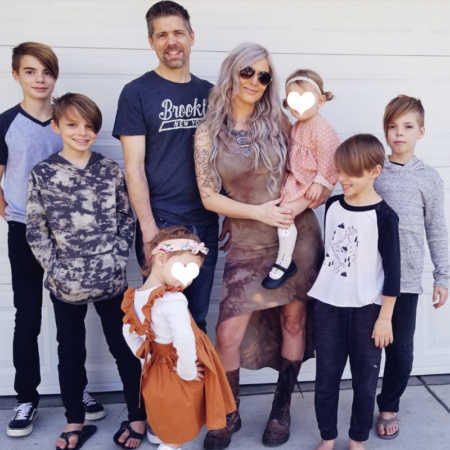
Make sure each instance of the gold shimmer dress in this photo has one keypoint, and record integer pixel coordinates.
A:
(254, 247)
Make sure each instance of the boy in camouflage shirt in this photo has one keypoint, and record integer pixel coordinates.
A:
(80, 228)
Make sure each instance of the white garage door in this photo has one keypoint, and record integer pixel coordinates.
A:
(366, 53)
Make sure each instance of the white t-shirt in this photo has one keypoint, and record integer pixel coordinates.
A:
(171, 323)
(362, 255)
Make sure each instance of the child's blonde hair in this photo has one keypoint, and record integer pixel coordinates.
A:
(314, 76)
(164, 234)
(400, 105)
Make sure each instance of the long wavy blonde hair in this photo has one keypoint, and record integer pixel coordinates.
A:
(267, 137)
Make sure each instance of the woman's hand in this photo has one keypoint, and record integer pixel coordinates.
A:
(271, 213)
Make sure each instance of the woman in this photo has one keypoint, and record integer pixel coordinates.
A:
(240, 154)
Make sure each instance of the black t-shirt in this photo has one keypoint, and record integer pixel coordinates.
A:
(167, 113)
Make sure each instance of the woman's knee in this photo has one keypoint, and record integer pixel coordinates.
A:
(293, 322)
(228, 336)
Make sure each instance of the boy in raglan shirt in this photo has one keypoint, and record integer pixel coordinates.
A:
(26, 138)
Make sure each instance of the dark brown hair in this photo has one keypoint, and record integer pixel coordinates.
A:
(308, 73)
(174, 232)
(400, 105)
(359, 153)
(167, 8)
(43, 53)
(85, 107)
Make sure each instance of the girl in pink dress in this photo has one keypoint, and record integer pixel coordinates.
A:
(310, 166)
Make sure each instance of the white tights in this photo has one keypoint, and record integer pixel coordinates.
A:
(286, 244)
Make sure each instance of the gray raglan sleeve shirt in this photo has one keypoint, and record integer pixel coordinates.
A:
(436, 230)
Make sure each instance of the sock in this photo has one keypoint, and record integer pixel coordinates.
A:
(286, 244)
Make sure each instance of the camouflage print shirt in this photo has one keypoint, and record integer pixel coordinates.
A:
(80, 227)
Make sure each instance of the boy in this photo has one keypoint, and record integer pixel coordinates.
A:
(80, 227)
(355, 290)
(26, 138)
(415, 192)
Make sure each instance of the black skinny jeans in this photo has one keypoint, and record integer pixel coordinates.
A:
(343, 333)
(399, 355)
(71, 336)
(27, 277)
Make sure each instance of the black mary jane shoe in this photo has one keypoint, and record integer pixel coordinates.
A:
(125, 426)
(272, 283)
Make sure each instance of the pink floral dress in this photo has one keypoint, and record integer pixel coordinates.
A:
(310, 159)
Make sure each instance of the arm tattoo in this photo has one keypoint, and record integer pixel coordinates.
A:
(207, 182)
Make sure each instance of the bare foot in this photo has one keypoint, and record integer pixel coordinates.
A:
(356, 445)
(139, 427)
(73, 440)
(390, 428)
(326, 445)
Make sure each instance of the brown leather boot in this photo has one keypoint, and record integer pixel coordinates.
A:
(277, 428)
(220, 439)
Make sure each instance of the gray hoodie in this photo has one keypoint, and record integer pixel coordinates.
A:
(415, 192)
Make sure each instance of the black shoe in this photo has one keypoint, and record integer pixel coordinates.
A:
(93, 410)
(272, 283)
(22, 423)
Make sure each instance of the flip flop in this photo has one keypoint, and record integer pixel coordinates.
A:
(384, 422)
(125, 426)
(83, 435)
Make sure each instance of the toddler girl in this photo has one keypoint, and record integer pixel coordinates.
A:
(310, 164)
(183, 383)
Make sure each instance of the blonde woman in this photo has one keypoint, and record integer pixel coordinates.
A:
(240, 155)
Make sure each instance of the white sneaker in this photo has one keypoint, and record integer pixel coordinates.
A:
(22, 422)
(93, 409)
(152, 438)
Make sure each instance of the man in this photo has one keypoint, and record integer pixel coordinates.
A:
(156, 119)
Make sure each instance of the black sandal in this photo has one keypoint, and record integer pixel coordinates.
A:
(125, 426)
(83, 435)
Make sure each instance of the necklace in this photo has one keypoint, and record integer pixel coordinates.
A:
(243, 140)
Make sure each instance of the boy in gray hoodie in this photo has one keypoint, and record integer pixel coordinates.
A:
(80, 227)
(415, 192)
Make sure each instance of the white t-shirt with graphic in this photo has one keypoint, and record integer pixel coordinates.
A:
(362, 255)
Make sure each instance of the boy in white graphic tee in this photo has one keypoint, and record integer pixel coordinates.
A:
(356, 289)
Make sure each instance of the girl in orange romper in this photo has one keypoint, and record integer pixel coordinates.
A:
(183, 383)
(310, 165)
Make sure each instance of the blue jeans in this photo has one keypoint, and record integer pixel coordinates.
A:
(343, 333)
(198, 293)
(399, 355)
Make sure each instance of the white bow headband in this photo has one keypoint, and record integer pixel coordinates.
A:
(177, 245)
(309, 80)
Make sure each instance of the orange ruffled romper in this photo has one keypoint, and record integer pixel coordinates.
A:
(177, 409)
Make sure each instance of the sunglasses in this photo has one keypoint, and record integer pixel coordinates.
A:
(248, 72)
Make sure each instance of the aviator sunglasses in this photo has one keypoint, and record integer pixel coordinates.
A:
(248, 72)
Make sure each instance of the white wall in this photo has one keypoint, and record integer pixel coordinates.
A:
(367, 52)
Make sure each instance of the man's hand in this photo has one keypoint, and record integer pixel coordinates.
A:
(440, 295)
(225, 235)
(147, 236)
